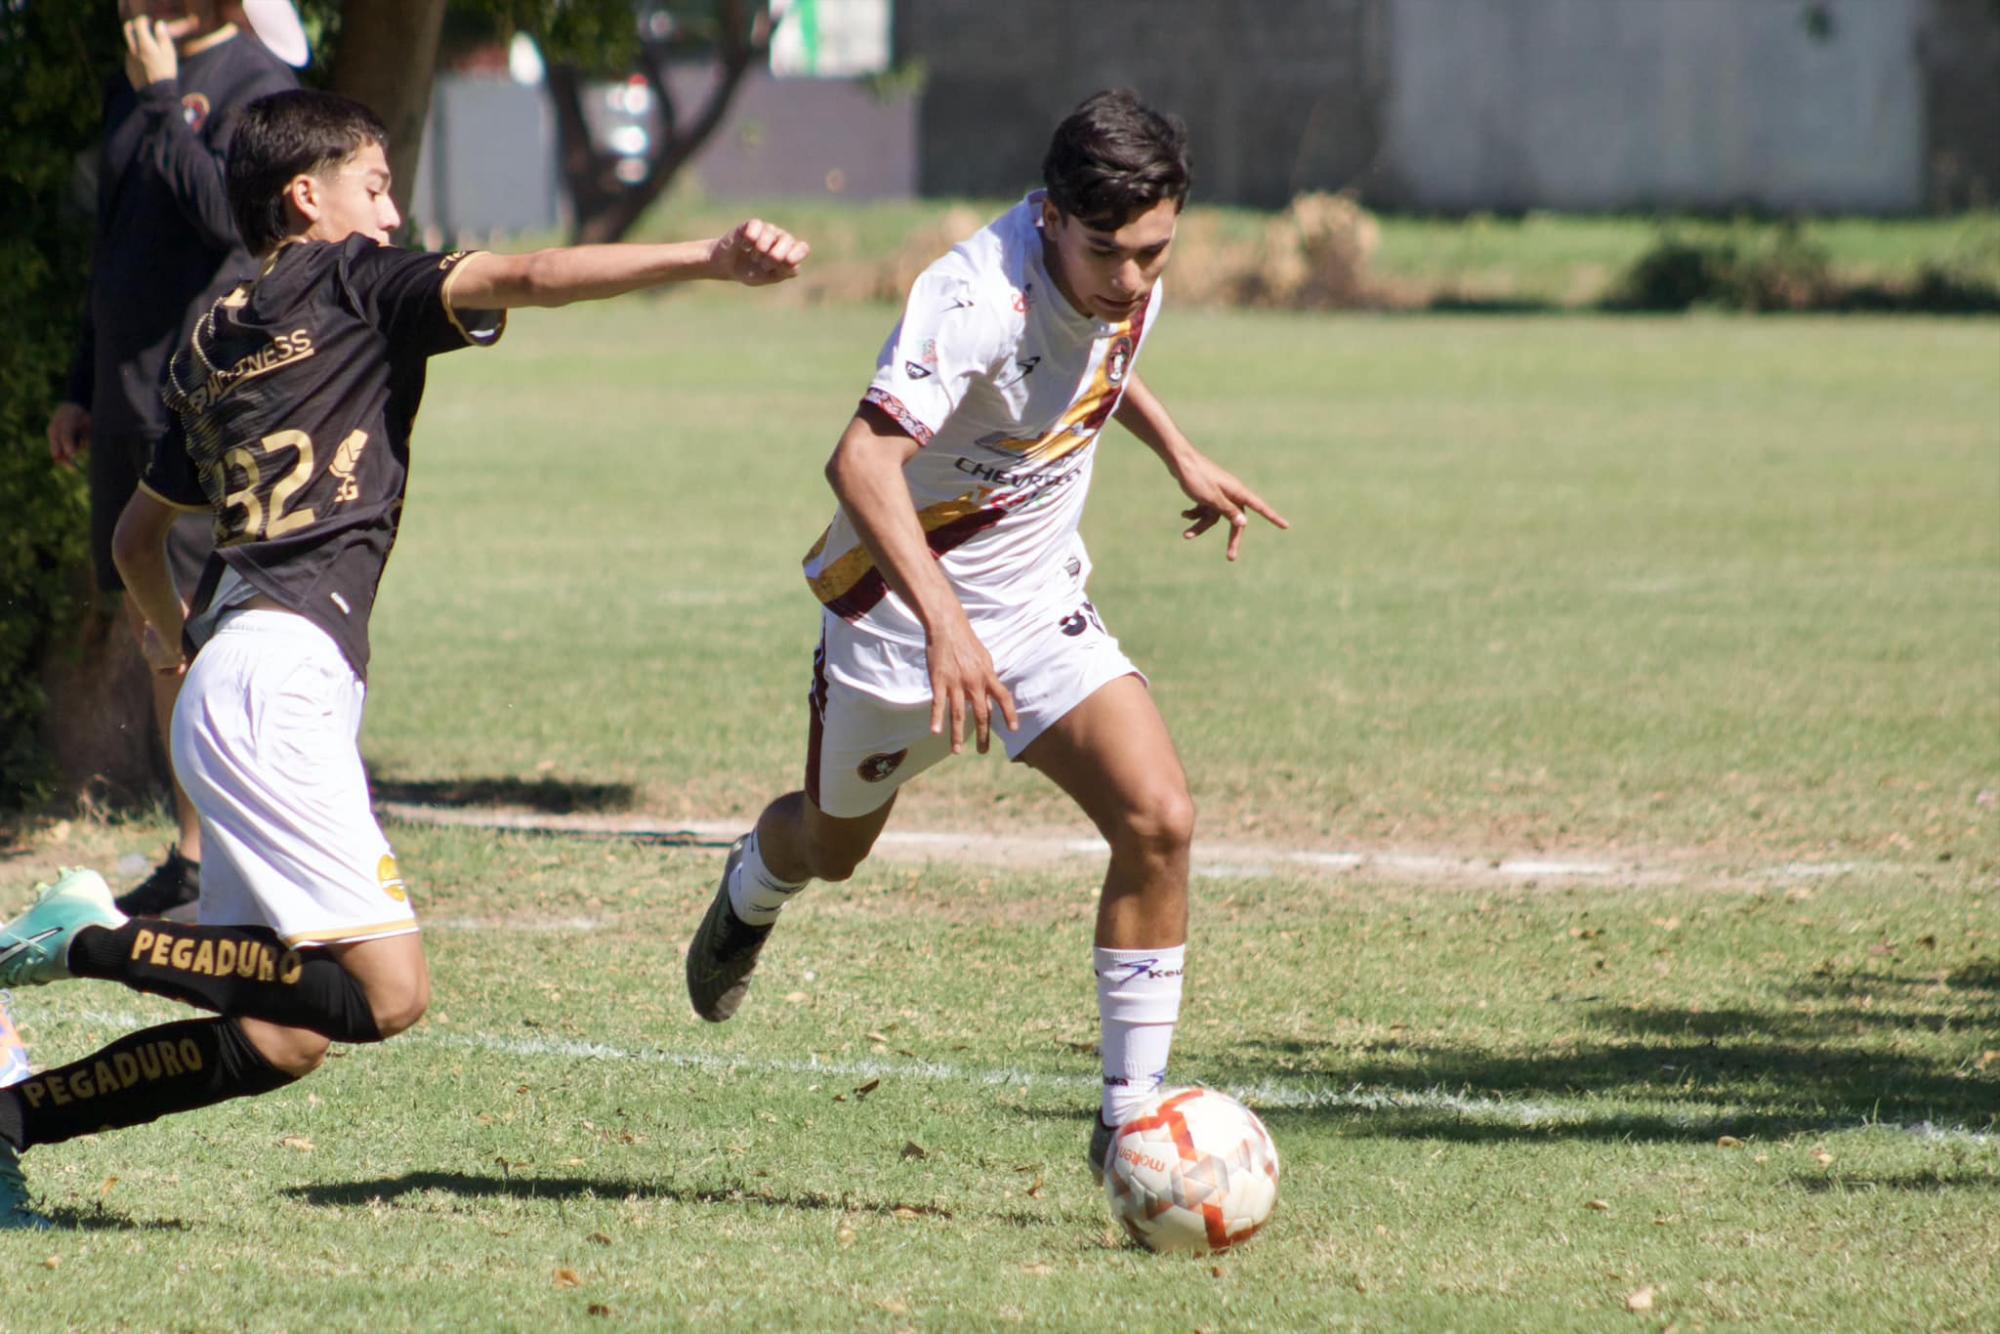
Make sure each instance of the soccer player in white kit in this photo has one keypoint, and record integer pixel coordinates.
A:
(952, 579)
(293, 405)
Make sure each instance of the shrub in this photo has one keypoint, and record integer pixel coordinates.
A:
(53, 58)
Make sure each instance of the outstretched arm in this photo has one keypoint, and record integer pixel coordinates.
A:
(755, 254)
(866, 472)
(1216, 492)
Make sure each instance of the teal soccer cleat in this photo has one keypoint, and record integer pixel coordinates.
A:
(34, 948)
(16, 1213)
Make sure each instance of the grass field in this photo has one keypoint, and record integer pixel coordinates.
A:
(1703, 597)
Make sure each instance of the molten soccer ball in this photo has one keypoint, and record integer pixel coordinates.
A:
(1193, 1171)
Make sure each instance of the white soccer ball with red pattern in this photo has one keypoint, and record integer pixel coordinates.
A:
(1194, 1171)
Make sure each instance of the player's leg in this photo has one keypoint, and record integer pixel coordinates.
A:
(1112, 754)
(859, 751)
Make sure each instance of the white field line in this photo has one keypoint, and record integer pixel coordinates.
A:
(1213, 859)
(1263, 1094)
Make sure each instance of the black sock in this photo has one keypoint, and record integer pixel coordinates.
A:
(139, 1078)
(240, 971)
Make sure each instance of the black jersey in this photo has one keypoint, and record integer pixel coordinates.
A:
(293, 403)
(166, 244)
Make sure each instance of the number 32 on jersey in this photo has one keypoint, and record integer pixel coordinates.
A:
(270, 512)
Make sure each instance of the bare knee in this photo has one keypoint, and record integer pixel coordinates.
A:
(836, 864)
(290, 1051)
(1159, 825)
(398, 1010)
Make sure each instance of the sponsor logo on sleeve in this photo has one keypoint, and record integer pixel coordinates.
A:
(877, 768)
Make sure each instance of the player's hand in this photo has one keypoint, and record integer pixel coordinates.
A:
(69, 433)
(963, 682)
(1217, 495)
(149, 51)
(163, 658)
(758, 254)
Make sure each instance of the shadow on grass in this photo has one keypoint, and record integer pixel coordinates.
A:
(549, 796)
(101, 1220)
(1917, 1182)
(350, 1194)
(1843, 1052)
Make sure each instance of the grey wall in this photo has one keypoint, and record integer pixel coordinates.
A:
(489, 158)
(1630, 104)
(1279, 95)
(805, 137)
(1877, 106)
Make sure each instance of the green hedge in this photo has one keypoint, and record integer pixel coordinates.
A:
(54, 55)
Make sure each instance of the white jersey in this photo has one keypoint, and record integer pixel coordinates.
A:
(1006, 387)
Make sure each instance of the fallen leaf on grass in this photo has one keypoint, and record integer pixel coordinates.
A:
(1728, 1142)
(1642, 1300)
(912, 1149)
(109, 1182)
(906, 1213)
(1822, 1157)
(567, 1278)
(598, 1308)
(53, 1262)
(1601, 1206)
(1038, 1270)
(796, 998)
(1986, 1060)
(600, 1239)
(867, 1088)
(1035, 1191)
(298, 1143)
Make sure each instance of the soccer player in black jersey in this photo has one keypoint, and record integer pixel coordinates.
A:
(292, 405)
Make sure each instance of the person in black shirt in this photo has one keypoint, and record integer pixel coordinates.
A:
(165, 247)
(293, 403)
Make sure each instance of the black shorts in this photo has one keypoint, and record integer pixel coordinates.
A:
(115, 464)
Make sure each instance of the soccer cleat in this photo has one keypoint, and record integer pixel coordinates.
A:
(1100, 1147)
(34, 947)
(174, 883)
(723, 953)
(16, 1211)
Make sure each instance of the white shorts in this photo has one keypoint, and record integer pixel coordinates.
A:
(871, 701)
(265, 743)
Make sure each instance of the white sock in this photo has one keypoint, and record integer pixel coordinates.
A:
(755, 893)
(1138, 1003)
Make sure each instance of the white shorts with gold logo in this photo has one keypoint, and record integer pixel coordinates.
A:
(871, 701)
(265, 742)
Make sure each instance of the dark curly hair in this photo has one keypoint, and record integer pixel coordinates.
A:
(1113, 158)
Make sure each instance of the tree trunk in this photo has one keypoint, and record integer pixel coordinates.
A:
(98, 729)
(603, 207)
(386, 61)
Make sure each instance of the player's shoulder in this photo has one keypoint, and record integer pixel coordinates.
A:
(977, 285)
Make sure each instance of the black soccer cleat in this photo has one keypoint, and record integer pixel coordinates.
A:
(1100, 1147)
(724, 951)
(174, 883)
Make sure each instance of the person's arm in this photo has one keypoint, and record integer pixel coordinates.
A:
(191, 162)
(139, 547)
(755, 254)
(866, 473)
(1217, 494)
(69, 424)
